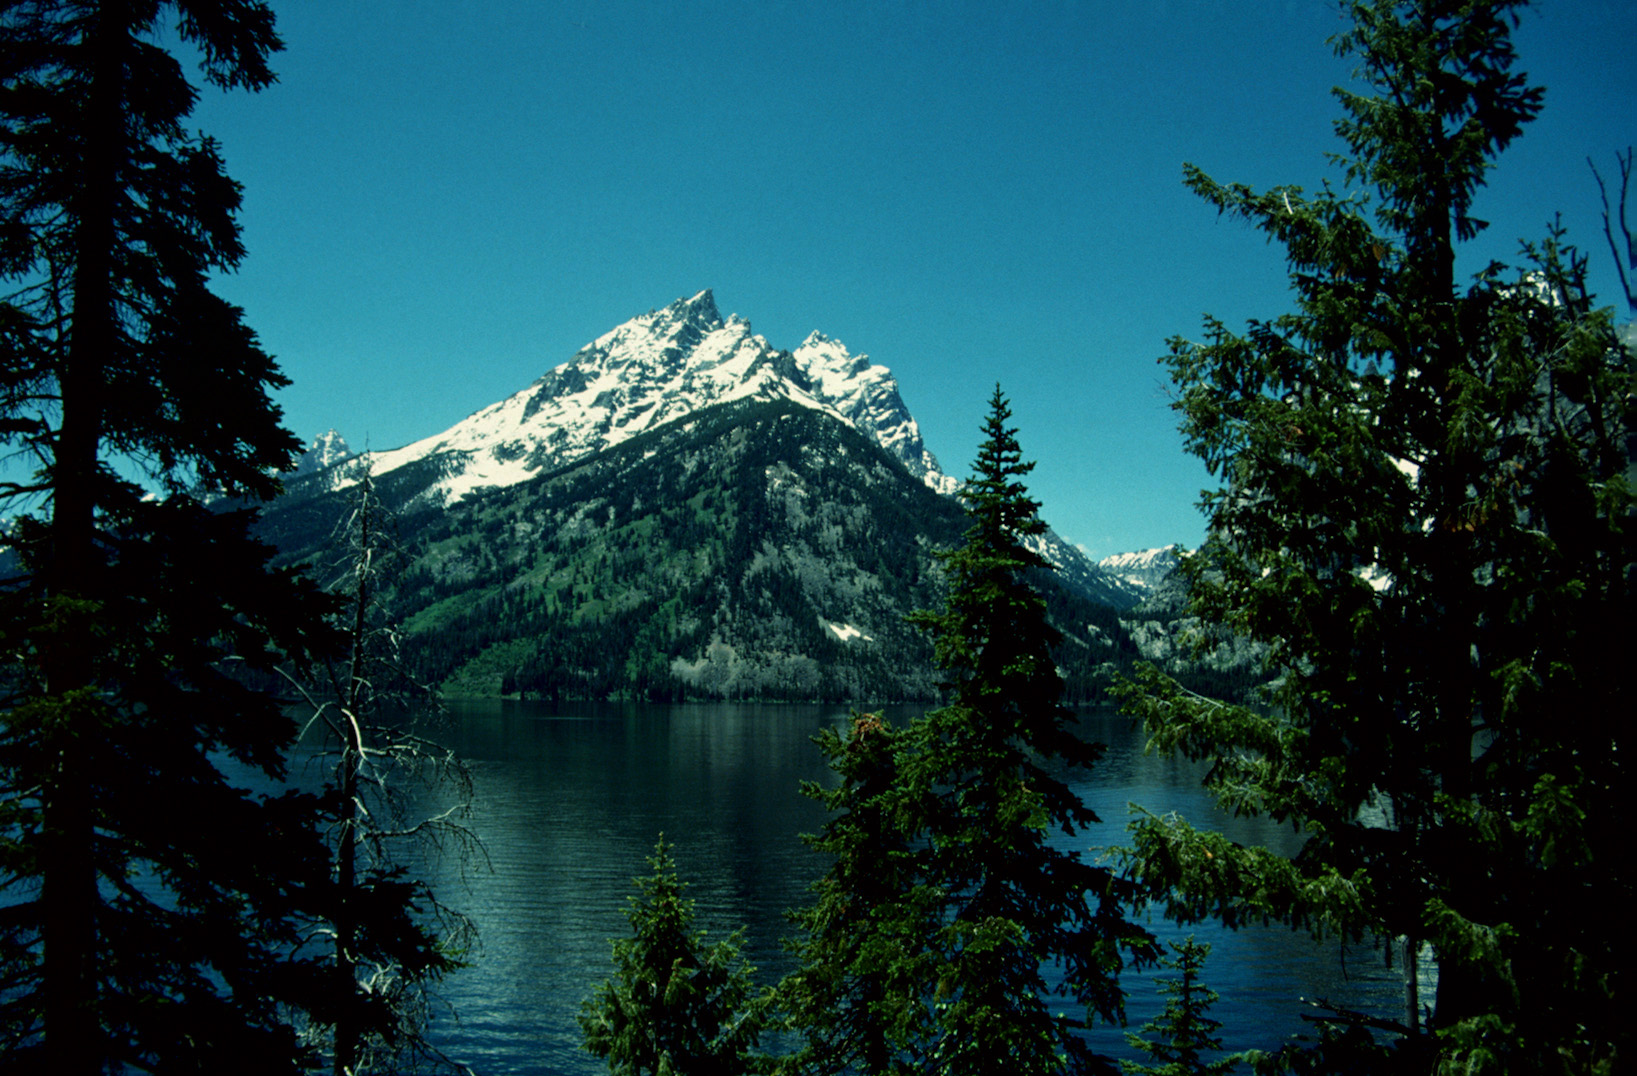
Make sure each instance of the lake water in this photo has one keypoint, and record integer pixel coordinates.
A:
(569, 799)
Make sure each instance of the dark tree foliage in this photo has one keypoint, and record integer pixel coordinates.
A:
(983, 780)
(1181, 1039)
(1426, 516)
(146, 901)
(951, 898)
(859, 995)
(675, 1004)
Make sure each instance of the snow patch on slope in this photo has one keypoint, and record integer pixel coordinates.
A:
(846, 632)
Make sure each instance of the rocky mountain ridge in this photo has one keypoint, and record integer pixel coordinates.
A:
(682, 511)
(653, 369)
(657, 368)
(759, 549)
(1143, 570)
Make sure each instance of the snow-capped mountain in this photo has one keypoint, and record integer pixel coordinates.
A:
(1143, 570)
(326, 450)
(867, 396)
(683, 511)
(655, 369)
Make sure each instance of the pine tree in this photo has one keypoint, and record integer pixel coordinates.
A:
(1425, 513)
(984, 777)
(947, 968)
(150, 901)
(1184, 1031)
(675, 1004)
(857, 998)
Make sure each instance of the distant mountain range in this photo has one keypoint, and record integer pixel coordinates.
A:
(682, 510)
(1142, 571)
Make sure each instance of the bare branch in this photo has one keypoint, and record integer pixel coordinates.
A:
(1625, 264)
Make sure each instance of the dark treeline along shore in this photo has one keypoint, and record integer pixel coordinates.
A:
(1402, 641)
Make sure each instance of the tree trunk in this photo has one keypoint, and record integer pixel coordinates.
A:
(72, 577)
(346, 964)
(1412, 984)
(348, 1035)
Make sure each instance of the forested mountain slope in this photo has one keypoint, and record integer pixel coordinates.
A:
(754, 549)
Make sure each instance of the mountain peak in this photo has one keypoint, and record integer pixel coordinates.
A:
(326, 450)
(1144, 569)
(656, 368)
(698, 313)
(703, 305)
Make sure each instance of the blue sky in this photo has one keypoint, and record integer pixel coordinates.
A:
(445, 200)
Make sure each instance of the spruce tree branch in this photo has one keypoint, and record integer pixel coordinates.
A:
(1352, 1017)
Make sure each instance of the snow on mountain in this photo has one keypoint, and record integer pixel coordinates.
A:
(655, 369)
(867, 396)
(327, 450)
(1142, 570)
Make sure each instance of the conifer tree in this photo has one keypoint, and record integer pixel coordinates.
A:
(984, 784)
(149, 901)
(675, 1004)
(858, 999)
(946, 966)
(1425, 513)
(1184, 1032)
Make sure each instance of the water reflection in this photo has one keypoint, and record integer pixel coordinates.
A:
(569, 799)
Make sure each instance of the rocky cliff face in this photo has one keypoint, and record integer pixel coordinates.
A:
(1143, 571)
(1206, 658)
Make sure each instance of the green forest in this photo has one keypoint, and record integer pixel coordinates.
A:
(1421, 529)
(664, 569)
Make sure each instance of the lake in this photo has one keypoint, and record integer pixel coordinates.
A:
(570, 797)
